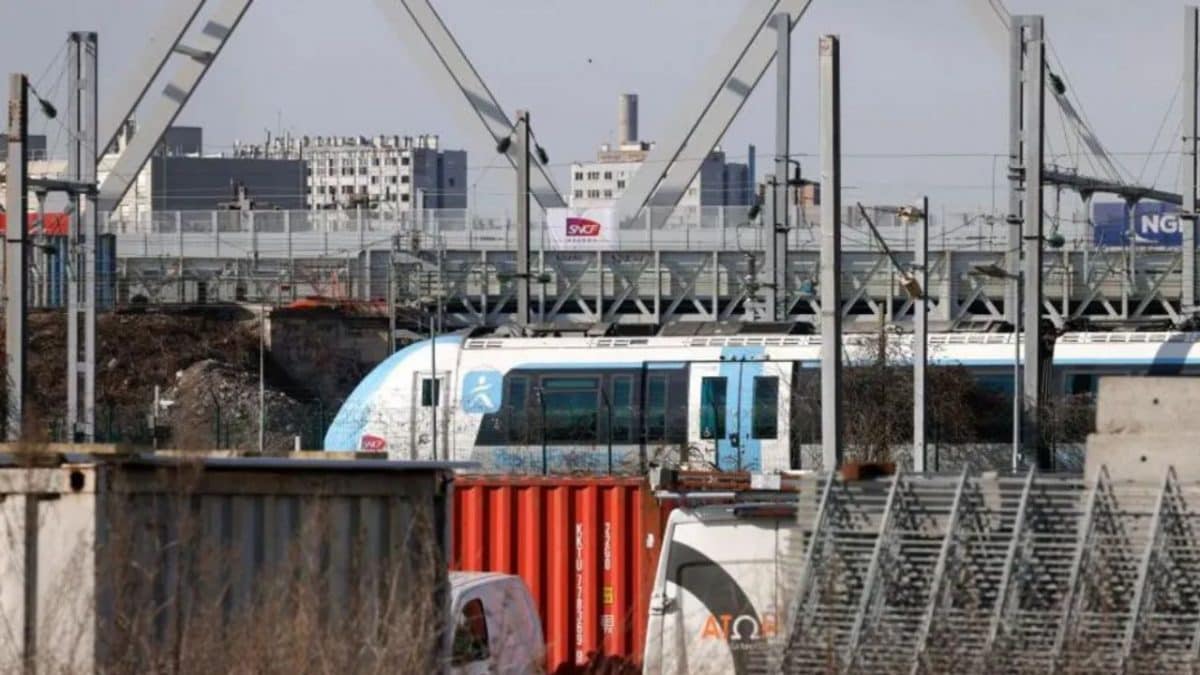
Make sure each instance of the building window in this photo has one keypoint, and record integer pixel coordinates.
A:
(450, 182)
(607, 175)
(404, 179)
(620, 184)
(608, 194)
(578, 175)
(362, 189)
(404, 197)
(374, 180)
(391, 179)
(374, 161)
(579, 194)
(712, 407)
(347, 189)
(593, 175)
(593, 194)
(518, 410)
(390, 161)
(362, 170)
(404, 161)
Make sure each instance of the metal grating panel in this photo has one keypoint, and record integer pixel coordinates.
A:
(1015, 574)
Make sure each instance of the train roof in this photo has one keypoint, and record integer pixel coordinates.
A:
(935, 339)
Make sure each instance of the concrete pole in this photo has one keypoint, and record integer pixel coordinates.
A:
(920, 336)
(522, 277)
(74, 262)
(1016, 184)
(16, 261)
(831, 254)
(88, 159)
(777, 212)
(1187, 215)
(1031, 232)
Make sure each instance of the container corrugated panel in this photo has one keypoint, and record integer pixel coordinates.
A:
(587, 549)
(128, 555)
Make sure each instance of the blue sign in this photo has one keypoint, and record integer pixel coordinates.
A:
(481, 391)
(1154, 224)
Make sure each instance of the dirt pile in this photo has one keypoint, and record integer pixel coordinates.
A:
(215, 405)
(135, 352)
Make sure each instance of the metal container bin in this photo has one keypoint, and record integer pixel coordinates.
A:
(110, 562)
(587, 548)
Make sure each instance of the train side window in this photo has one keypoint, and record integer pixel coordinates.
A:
(430, 390)
(570, 406)
(765, 422)
(516, 409)
(712, 407)
(1082, 383)
(656, 408)
(621, 400)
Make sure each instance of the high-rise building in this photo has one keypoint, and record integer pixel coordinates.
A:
(600, 183)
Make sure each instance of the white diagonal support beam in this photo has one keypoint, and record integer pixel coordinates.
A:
(174, 95)
(420, 27)
(161, 43)
(726, 83)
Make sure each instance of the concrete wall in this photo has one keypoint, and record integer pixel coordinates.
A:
(1144, 425)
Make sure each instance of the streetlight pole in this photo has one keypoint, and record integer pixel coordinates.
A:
(996, 272)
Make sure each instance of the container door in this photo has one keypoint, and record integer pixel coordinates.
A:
(429, 397)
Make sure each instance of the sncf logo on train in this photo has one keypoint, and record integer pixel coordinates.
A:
(371, 443)
(582, 227)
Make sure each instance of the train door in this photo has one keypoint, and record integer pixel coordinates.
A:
(429, 397)
(737, 414)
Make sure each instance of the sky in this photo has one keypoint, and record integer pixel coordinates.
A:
(924, 83)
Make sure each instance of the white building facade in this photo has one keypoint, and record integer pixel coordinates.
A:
(600, 183)
(389, 173)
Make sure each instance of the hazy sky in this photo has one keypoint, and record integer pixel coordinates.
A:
(921, 77)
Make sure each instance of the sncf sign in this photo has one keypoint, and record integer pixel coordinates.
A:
(582, 227)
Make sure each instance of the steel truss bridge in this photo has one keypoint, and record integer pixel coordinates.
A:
(690, 267)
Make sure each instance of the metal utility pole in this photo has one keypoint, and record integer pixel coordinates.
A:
(521, 135)
(81, 273)
(920, 335)
(1012, 256)
(831, 254)
(1187, 214)
(16, 258)
(776, 212)
(1032, 128)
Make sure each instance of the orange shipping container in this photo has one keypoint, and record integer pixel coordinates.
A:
(586, 547)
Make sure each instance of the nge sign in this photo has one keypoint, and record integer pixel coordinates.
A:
(1155, 224)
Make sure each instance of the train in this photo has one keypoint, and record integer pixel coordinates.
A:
(619, 404)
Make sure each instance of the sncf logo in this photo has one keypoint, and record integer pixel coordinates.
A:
(371, 443)
(582, 227)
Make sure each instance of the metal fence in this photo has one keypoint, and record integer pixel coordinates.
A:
(305, 233)
(996, 573)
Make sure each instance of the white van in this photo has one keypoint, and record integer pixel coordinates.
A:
(721, 600)
(495, 626)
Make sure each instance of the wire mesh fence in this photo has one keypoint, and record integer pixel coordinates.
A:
(995, 573)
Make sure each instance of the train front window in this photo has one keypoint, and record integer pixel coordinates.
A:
(712, 407)
(570, 406)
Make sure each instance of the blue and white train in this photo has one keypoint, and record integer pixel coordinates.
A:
(571, 403)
